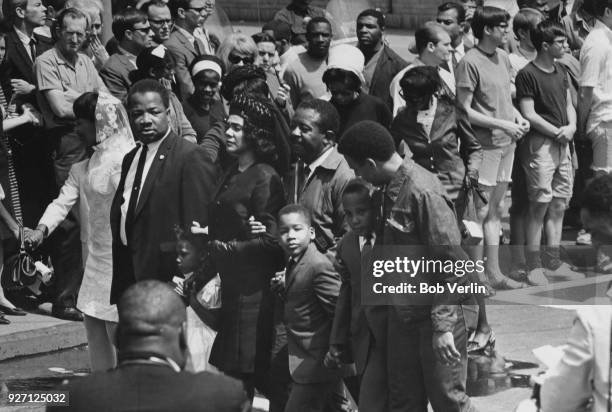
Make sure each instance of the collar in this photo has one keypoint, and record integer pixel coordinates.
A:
(599, 25)
(328, 160)
(148, 358)
(126, 53)
(319, 160)
(460, 49)
(25, 39)
(61, 60)
(363, 239)
(395, 185)
(185, 33)
(154, 146)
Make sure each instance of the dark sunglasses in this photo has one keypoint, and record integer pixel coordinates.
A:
(234, 59)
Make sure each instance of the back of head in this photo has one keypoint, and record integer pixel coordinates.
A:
(329, 119)
(597, 197)
(377, 14)
(421, 81)
(84, 107)
(156, 58)
(245, 79)
(487, 16)
(526, 20)
(598, 7)
(430, 32)
(174, 5)
(125, 20)
(546, 32)
(149, 310)
(367, 139)
(148, 86)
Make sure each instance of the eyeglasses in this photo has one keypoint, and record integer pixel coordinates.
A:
(161, 22)
(143, 30)
(235, 59)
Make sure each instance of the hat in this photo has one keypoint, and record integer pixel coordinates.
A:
(349, 58)
(238, 75)
(207, 62)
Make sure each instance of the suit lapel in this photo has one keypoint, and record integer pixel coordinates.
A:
(188, 45)
(118, 199)
(300, 265)
(21, 51)
(158, 161)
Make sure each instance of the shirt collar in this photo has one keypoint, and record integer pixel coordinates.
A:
(330, 160)
(395, 185)
(153, 146)
(363, 239)
(599, 25)
(23, 37)
(185, 33)
(61, 60)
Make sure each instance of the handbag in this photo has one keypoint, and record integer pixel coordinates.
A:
(469, 226)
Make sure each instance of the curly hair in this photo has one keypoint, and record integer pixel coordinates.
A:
(245, 79)
(597, 198)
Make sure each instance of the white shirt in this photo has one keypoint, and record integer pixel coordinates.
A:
(318, 162)
(459, 53)
(596, 72)
(363, 240)
(25, 40)
(202, 34)
(129, 180)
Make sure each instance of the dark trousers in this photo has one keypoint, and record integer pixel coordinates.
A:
(316, 397)
(66, 252)
(414, 374)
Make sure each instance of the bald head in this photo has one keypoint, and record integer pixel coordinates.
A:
(431, 32)
(148, 309)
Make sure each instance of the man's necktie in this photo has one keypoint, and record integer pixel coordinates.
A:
(454, 58)
(129, 217)
(33, 50)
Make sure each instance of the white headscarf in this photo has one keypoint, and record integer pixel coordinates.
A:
(114, 140)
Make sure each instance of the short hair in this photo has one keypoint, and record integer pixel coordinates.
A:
(450, 5)
(346, 77)
(156, 3)
(56, 4)
(66, 13)
(546, 32)
(84, 107)
(263, 38)
(236, 42)
(428, 33)
(125, 20)
(421, 80)
(197, 240)
(317, 20)
(329, 119)
(149, 86)
(174, 5)
(487, 16)
(281, 29)
(597, 197)
(377, 14)
(357, 186)
(9, 6)
(298, 209)
(367, 139)
(526, 19)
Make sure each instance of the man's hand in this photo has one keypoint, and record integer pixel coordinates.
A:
(34, 117)
(512, 129)
(523, 124)
(256, 227)
(444, 348)
(196, 229)
(565, 134)
(33, 238)
(283, 95)
(22, 87)
(332, 357)
(277, 284)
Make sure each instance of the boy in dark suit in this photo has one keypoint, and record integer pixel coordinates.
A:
(311, 288)
(358, 332)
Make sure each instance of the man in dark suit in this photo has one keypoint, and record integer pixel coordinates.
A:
(152, 354)
(381, 63)
(164, 181)
(453, 18)
(132, 30)
(184, 46)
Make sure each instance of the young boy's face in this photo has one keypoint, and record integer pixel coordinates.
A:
(359, 214)
(295, 234)
(188, 258)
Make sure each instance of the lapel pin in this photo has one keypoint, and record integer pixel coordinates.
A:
(162, 157)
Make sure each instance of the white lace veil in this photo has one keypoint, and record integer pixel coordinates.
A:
(114, 140)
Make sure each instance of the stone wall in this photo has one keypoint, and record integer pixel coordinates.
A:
(406, 14)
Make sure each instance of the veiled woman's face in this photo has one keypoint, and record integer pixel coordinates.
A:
(86, 130)
(236, 143)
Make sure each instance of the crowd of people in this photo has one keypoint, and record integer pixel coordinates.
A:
(212, 204)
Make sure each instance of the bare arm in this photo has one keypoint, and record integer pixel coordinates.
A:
(61, 102)
(540, 124)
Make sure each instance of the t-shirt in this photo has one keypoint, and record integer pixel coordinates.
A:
(488, 76)
(596, 72)
(548, 90)
(305, 77)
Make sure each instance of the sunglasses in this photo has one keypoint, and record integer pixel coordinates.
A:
(235, 59)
